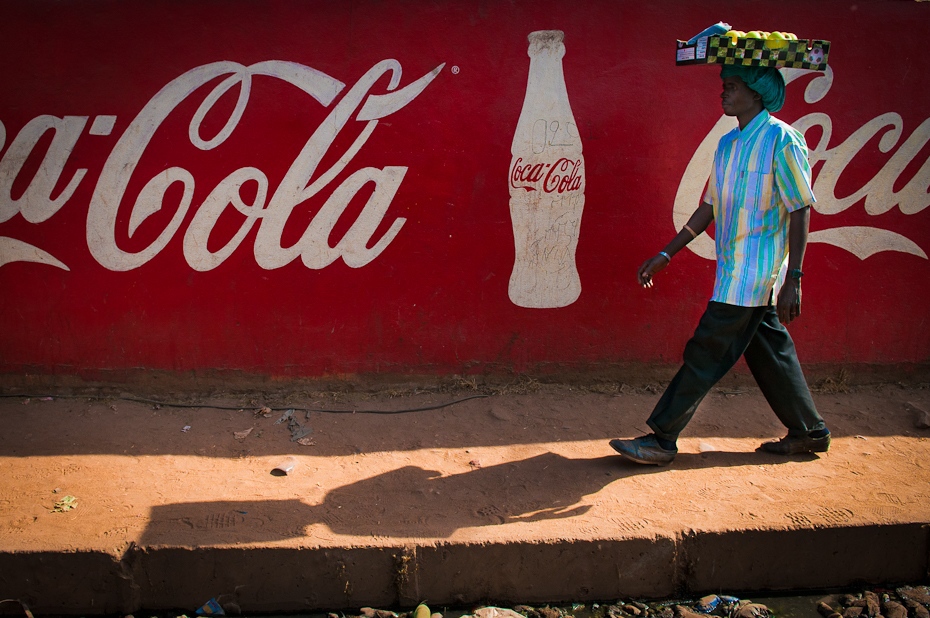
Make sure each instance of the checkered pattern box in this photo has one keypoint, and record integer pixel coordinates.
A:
(800, 54)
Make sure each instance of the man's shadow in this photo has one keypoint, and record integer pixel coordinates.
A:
(414, 502)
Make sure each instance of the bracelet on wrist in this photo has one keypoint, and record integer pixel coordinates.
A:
(795, 273)
(666, 256)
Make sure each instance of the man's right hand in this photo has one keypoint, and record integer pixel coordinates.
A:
(649, 268)
(698, 222)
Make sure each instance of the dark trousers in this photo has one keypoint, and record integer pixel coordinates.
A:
(725, 333)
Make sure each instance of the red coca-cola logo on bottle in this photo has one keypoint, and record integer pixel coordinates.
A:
(559, 177)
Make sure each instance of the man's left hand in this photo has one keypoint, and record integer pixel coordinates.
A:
(789, 301)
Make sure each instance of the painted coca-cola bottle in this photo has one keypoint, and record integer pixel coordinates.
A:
(546, 184)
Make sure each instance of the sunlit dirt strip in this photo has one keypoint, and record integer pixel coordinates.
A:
(569, 490)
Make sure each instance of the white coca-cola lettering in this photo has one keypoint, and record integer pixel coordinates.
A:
(226, 193)
(878, 193)
(36, 203)
(313, 247)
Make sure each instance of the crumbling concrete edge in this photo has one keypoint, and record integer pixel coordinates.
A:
(281, 579)
(809, 558)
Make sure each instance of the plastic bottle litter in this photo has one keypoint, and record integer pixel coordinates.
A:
(707, 604)
(211, 608)
(285, 467)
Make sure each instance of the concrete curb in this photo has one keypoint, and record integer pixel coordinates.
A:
(265, 579)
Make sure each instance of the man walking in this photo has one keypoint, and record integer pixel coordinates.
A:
(759, 198)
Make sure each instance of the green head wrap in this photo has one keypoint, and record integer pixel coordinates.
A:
(767, 81)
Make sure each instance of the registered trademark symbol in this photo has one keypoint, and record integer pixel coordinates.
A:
(455, 70)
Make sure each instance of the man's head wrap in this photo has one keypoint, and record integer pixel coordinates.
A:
(767, 81)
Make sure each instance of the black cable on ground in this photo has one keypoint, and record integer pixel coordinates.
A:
(169, 404)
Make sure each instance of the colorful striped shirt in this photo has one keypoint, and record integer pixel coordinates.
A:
(760, 175)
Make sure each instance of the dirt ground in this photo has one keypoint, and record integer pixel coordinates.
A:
(535, 457)
(526, 463)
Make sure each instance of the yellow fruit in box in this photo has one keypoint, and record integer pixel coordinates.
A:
(776, 40)
(734, 34)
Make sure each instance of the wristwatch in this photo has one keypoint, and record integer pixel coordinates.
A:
(795, 273)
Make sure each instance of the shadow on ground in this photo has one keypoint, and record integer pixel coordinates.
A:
(412, 502)
(74, 427)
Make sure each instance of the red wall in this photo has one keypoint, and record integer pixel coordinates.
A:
(434, 296)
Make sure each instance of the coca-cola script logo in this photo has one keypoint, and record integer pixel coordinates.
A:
(271, 214)
(878, 193)
(561, 176)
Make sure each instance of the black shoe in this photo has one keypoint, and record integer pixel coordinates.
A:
(796, 445)
(644, 450)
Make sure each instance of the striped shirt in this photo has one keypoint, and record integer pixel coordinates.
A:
(760, 175)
